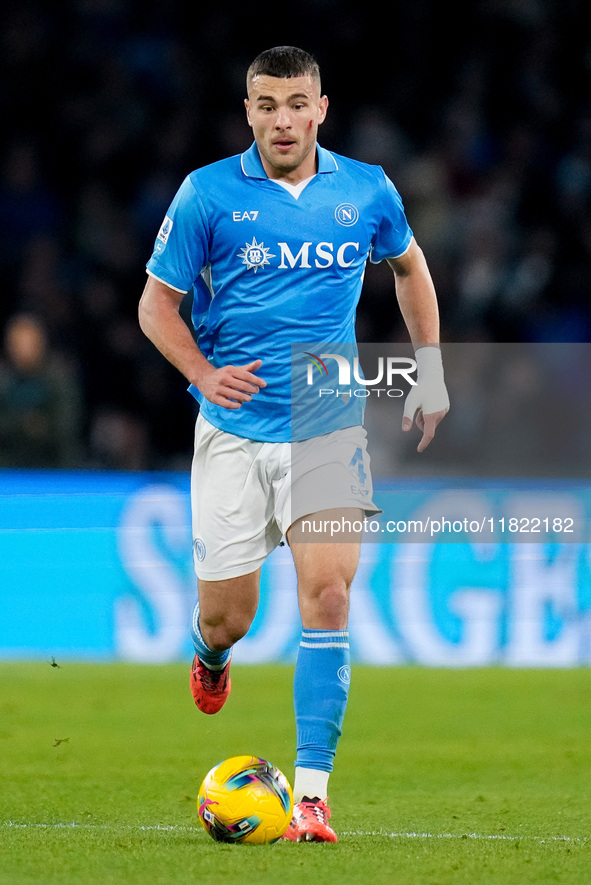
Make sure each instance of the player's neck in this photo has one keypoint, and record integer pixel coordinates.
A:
(305, 170)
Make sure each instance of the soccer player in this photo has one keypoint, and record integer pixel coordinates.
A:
(274, 243)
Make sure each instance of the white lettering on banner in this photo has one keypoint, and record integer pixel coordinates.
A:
(539, 590)
(168, 596)
(124, 550)
(478, 608)
(523, 611)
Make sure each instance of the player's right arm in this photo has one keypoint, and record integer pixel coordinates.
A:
(160, 320)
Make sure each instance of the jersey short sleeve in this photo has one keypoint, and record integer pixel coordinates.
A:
(181, 247)
(393, 235)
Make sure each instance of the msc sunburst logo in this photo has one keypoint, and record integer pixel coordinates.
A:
(255, 256)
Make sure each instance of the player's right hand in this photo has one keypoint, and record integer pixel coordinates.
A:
(232, 386)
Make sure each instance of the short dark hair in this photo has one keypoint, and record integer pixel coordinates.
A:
(284, 62)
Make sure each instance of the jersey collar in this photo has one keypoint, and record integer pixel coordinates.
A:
(252, 166)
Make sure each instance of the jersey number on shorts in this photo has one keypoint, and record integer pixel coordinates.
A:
(357, 465)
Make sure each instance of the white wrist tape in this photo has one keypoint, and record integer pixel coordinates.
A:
(430, 392)
(429, 361)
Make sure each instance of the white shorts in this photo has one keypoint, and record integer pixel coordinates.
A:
(245, 494)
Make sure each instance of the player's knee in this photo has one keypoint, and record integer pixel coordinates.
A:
(226, 632)
(334, 599)
(326, 603)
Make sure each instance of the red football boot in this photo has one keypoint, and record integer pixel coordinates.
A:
(209, 688)
(310, 822)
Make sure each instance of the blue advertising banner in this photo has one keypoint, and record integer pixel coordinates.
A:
(98, 566)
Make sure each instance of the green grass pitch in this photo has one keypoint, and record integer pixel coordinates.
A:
(443, 776)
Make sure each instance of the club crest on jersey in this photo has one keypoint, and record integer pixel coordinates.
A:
(346, 214)
(255, 256)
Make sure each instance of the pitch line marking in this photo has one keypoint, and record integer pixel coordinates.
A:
(483, 836)
(73, 825)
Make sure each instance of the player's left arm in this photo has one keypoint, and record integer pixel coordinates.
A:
(428, 401)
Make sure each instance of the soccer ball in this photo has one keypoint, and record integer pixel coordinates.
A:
(245, 799)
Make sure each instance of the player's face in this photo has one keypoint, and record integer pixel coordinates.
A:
(285, 115)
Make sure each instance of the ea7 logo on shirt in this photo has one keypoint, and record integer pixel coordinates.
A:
(245, 216)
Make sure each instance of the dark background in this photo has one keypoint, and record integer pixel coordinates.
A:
(479, 111)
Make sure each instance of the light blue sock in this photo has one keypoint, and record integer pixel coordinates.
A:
(215, 660)
(320, 690)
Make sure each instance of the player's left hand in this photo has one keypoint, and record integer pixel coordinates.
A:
(425, 423)
(427, 402)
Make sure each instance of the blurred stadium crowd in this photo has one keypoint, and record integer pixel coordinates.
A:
(480, 111)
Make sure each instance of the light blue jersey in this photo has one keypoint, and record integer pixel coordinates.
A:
(270, 269)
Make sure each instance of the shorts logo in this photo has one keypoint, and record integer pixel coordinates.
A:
(199, 549)
(344, 674)
(165, 230)
(346, 214)
(254, 255)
